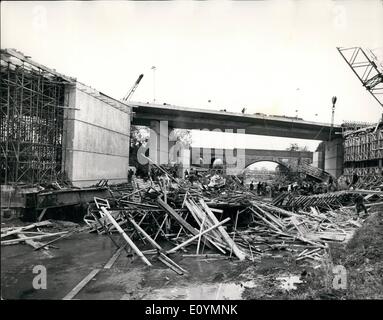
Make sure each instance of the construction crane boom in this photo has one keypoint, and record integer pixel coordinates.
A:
(367, 69)
(131, 91)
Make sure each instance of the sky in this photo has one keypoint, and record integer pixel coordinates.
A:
(273, 57)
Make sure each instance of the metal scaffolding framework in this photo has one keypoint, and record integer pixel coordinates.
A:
(32, 113)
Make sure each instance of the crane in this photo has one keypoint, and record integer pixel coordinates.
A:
(367, 68)
(131, 91)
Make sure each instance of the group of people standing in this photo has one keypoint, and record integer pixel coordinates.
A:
(261, 188)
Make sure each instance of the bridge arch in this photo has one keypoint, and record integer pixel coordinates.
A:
(285, 165)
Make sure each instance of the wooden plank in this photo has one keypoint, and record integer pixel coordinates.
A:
(176, 216)
(265, 220)
(160, 227)
(196, 236)
(165, 257)
(200, 231)
(42, 214)
(235, 230)
(31, 226)
(203, 255)
(170, 265)
(274, 220)
(14, 241)
(149, 238)
(62, 237)
(202, 214)
(32, 243)
(125, 236)
(81, 284)
(116, 255)
(216, 238)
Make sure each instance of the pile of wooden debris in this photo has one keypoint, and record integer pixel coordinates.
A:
(171, 214)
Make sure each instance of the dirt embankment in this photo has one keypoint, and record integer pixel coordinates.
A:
(363, 259)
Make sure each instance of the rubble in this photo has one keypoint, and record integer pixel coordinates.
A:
(182, 213)
(210, 217)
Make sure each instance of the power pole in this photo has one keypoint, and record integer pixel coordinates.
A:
(154, 83)
(334, 98)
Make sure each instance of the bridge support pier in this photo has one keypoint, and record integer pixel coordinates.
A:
(164, 149)
(159, 142)
(333, 162)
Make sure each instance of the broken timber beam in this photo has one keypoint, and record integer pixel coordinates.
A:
(197, 236)
(125, 236)
(240, 255)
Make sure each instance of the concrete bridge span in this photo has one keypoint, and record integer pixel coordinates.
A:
(158, 116)
(193, 118)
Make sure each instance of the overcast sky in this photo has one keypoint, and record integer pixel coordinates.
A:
(273, 57)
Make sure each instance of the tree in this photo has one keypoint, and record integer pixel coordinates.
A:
(184, 136)
(139, 136)
(296, 147)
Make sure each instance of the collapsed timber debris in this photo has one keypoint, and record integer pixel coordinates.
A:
(218, 215)
(179, 214)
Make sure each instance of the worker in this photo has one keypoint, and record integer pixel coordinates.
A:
(354, 180)
(251, 186)
(359, 204)
(130, 175)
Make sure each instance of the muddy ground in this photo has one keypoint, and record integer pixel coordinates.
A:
(207, 278)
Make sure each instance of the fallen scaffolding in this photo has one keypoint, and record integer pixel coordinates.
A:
(154, 220)
(325, 201)
(184, 214)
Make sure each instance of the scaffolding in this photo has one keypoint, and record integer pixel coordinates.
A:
(31, 118)
(363, 151)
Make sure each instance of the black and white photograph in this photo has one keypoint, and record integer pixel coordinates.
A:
(209, 153)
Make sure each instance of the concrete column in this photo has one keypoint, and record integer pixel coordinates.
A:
(318, 159)
(69, 130)
(333, 162)
(159, 142)
(195, 156)
(163, 147)
(185, 162)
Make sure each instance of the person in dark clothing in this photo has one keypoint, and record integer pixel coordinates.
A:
(359, 204)
(251, 186)
(354, 179)
(130, 175)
